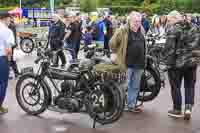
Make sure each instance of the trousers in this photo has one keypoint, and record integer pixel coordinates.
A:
(175, 79)
(134, 78)
(3, 89)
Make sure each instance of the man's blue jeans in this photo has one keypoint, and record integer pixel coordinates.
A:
(134, 78)
(3, 88)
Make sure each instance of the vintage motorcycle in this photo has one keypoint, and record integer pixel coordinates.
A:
(68, 92)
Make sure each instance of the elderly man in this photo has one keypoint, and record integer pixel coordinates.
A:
(182, 39)
(128, 43)
(6, 42)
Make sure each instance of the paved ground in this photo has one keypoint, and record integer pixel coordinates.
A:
(153, 120)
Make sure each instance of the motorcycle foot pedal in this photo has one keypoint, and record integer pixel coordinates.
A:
(56, 109)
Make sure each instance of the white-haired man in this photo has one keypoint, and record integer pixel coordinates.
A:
(128, 43)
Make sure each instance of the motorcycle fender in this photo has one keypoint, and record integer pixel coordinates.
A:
(152, 63)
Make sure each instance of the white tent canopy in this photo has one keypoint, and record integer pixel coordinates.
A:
(174, 13)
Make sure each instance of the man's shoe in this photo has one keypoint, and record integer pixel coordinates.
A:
(3, 110)
(187, 113)
(175, 113)
(135, 109)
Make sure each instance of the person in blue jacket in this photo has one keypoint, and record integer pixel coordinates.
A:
(100, 29)
(6, 42)
(145, 23)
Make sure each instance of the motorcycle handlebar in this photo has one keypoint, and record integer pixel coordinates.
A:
(47, 53)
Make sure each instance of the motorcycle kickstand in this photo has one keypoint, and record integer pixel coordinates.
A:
(94, 122)
(142, 102)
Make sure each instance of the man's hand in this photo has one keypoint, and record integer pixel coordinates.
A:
(8, 51)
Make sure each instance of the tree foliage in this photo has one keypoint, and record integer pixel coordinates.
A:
(155, 6)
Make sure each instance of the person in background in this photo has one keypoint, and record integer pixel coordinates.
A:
(109, 32)
(7, 40)
(68, 40)
(145, 23)
(78, 33)
(100, 30)
(163, 25)
(198, 21)
(156, 24)
(128, 43)
(87, 37)
(13, 63)
(56, 35)
(72, 36)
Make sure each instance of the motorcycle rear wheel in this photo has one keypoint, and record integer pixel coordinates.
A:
(153, 90)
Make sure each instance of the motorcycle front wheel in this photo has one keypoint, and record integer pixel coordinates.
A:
(113, 100)
(31, 95)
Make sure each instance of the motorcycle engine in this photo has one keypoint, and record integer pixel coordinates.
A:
(66, 103)
(64, 100)
(66, 87)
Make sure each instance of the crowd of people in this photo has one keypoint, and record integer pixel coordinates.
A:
(126, 39)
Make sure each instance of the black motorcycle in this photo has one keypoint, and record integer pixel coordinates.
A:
(68, 92)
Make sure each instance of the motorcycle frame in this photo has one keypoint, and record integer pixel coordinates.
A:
(44, 70)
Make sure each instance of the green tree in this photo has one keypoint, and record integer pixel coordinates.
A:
(88, 5)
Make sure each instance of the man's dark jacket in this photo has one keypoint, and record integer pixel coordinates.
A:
(182, 45)
(56, 35)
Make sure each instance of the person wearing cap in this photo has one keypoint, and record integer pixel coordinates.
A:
(56, 35)
(6, 42)
(182, 39)
(128, 44)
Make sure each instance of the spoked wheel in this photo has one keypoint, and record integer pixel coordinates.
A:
(150, 85)
(105, 103)
(27, 45)
(31, 95)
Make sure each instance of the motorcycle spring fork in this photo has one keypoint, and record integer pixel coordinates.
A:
(94, 122)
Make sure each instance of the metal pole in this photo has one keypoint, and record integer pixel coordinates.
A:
(20, 4)
(52, 6)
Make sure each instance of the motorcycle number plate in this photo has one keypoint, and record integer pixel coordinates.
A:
(27, 70)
